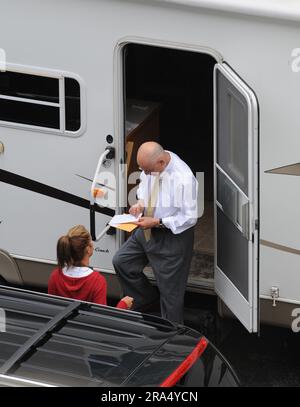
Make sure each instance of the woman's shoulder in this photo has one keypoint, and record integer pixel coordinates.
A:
(55, 271)
(97, 276)
(54, 276)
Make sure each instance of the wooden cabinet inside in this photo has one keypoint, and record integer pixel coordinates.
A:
(141, 125)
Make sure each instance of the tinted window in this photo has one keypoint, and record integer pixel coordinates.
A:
(36, 89)
(72, 104)
(232, 132)
(29, 113)
(29, 86)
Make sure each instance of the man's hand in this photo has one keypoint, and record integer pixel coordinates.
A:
(136, 209)
(147, 223)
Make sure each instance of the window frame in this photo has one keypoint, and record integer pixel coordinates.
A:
(60, 76)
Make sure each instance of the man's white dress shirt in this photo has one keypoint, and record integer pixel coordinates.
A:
(177, 197)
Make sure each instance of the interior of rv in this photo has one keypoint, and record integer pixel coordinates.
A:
(168, 98)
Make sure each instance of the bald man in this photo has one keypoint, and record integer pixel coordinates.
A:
(167, 201)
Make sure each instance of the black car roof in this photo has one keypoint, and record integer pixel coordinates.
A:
(66, 342)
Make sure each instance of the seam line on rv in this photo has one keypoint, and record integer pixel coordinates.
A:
(279, 247)
(43, 189)
(290, 169)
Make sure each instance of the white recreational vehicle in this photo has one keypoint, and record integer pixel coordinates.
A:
(86, 82)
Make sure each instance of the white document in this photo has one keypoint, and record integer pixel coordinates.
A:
(125, 218)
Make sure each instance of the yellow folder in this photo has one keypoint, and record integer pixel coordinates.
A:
(127, 227)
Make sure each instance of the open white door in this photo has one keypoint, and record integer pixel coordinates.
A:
(236, 195)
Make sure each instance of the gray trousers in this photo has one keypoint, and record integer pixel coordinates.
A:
(170, 256)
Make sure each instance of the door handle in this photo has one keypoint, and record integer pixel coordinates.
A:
(109, 153)
(245, 220)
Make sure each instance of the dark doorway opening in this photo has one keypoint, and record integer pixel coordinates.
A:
(169, 98)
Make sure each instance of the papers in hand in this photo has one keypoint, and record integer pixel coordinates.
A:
(124, 222)
(125, 218)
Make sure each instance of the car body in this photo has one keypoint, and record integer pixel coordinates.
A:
(52, 341)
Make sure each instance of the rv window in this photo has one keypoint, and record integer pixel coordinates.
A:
(72, 102)
(233, 118)
(35, 100)
(29, 86)
(29, 113)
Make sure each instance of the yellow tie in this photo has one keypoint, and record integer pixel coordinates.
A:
(151, 205)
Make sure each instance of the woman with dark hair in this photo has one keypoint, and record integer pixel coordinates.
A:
(73, 277)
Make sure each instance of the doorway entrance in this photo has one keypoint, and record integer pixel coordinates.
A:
(204, 112)
(169, 99)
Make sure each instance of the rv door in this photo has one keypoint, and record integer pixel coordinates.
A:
(236, 195)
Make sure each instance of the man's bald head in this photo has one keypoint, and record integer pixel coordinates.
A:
(150, 155)
(149, 152)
